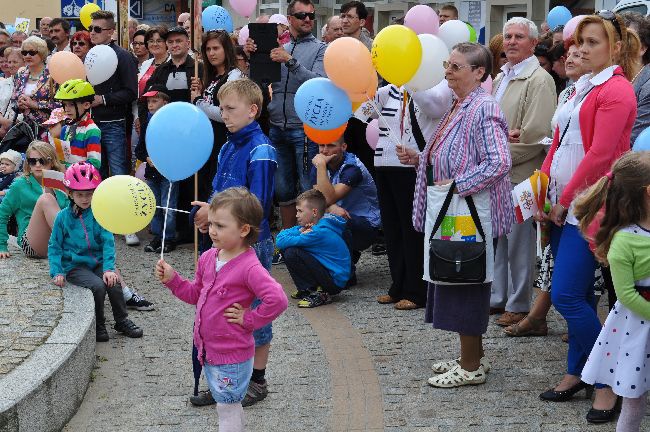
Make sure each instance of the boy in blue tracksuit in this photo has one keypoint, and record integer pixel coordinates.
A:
(314, 251)
(247, 159)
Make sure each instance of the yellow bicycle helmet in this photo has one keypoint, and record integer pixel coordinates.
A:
(75, 90)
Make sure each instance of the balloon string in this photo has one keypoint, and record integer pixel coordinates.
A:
(391, 135)
(172, 209)
(162, 245)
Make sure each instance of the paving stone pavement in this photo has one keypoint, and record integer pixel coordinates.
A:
(30, 308)
(351, 365)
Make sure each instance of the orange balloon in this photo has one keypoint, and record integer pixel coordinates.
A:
(64, 66)
(355, 106)
(348, 64)
(324, 136)
(370, 92)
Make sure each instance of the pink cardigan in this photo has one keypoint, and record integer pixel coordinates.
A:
(606, 119)
(240, 280)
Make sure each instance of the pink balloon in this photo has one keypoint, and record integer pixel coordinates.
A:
(422, 20)
(139, 173)
(487, 84)
(571, 27)
(243, 35)
(244, 8)
(372, 133)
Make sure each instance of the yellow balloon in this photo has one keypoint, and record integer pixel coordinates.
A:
(84, 13)
(123, 204)
(396, 54)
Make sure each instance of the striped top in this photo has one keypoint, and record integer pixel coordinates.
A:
(472, 149)
(79, 142)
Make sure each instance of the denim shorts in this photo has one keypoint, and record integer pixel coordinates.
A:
(264, 251)
(228, 382)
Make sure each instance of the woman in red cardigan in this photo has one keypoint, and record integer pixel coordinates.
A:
(593, 131)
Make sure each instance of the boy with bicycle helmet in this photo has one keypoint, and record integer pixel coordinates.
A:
(83, 252)
(79, 138)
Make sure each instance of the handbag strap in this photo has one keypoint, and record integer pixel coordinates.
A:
(415, 127)
(445, 207)
(566, 128)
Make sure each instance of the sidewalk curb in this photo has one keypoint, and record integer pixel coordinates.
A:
(44, 392)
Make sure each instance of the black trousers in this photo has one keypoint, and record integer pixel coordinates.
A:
(92, 279)
(404, 245)
(307, 272)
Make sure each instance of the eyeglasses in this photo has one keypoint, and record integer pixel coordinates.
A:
(244, 59)
(455, 67)
(302, 15)
(137, 43)
(29, 52)
(78, 43)
(155, 41)
(97, 29)
(34, 161)
(611, 17)
(348, 16)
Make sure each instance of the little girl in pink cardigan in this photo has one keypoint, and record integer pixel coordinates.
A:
(228, 278)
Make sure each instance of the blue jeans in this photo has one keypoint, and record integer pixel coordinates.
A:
(160, 190)
(113, 148)
(264, 252)
(294, 155)
(228, 382)
(572, 292)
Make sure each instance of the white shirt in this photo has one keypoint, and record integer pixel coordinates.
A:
(509, 73)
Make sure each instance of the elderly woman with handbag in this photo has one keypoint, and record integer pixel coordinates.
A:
(467, 160)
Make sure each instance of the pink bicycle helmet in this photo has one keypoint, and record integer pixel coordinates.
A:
(82, 176)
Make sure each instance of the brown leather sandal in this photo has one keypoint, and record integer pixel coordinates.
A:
(537, 328)
(406, 305)
(386, 299)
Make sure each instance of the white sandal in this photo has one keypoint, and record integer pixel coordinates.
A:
(457, 377)
(447, 365)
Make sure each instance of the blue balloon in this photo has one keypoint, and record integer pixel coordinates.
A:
(216, 18)
(179, 140)
(10, 29)
(321, 104)
(642, 142)
(558, 16)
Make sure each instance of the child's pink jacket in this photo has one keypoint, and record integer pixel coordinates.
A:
(240, 280)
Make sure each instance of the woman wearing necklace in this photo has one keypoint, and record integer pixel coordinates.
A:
(469, 147)
(33, 88)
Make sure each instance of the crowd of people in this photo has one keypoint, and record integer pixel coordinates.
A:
(570, 107)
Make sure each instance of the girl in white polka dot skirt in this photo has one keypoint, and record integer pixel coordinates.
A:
(621, 356)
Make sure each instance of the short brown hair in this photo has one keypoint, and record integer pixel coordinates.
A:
(314, 199)
(245, 208)
(245, 89)
(104, 15)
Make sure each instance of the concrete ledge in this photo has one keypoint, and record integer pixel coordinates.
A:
(44, 392)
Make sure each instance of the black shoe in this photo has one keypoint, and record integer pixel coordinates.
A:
(128, 328)
(203, 399)
(153, 245)
(101, 335)
(552, 395)
(170, 245)
(604, 416)
(379, 248)
(139, 303)
(352, 281)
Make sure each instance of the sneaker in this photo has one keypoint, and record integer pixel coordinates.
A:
(299, 294)
(170, 245)
(378, 249)
(101, 335)
(131, 239)
(128, 328)
(255, 393)
(352, 281)
(153, 246)
(277, 258)
(139, 303)
(204, 398)
(315, 299)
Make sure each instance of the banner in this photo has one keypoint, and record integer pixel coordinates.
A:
(22, 25)
(529, 196)
(54, 179)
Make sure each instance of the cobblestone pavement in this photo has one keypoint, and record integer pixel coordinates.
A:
(30, 308)
(352, 365)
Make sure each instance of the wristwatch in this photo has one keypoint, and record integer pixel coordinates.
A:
(292, 63)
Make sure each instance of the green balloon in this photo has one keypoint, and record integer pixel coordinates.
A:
(472, 33)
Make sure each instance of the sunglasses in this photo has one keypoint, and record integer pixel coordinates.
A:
(455, 67)
(78, 43)
(611, 17)
(302, 15)
(29, 52)
(34, 161)
(97, 29)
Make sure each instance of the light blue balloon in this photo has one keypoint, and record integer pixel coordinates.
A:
(321, 104)
(216, 18)
(10, 29)
(642, 142)
(557, 16)
(179, 140)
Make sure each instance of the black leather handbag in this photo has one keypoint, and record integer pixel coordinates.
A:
(19, 136)
(457, 261)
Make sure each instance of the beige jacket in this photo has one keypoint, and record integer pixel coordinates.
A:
(528, 104)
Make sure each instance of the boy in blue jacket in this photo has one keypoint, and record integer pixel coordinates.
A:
(314, 251)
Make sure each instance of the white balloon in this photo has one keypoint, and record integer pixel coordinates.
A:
(100, 63)
(431, 71)
(453, 32)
